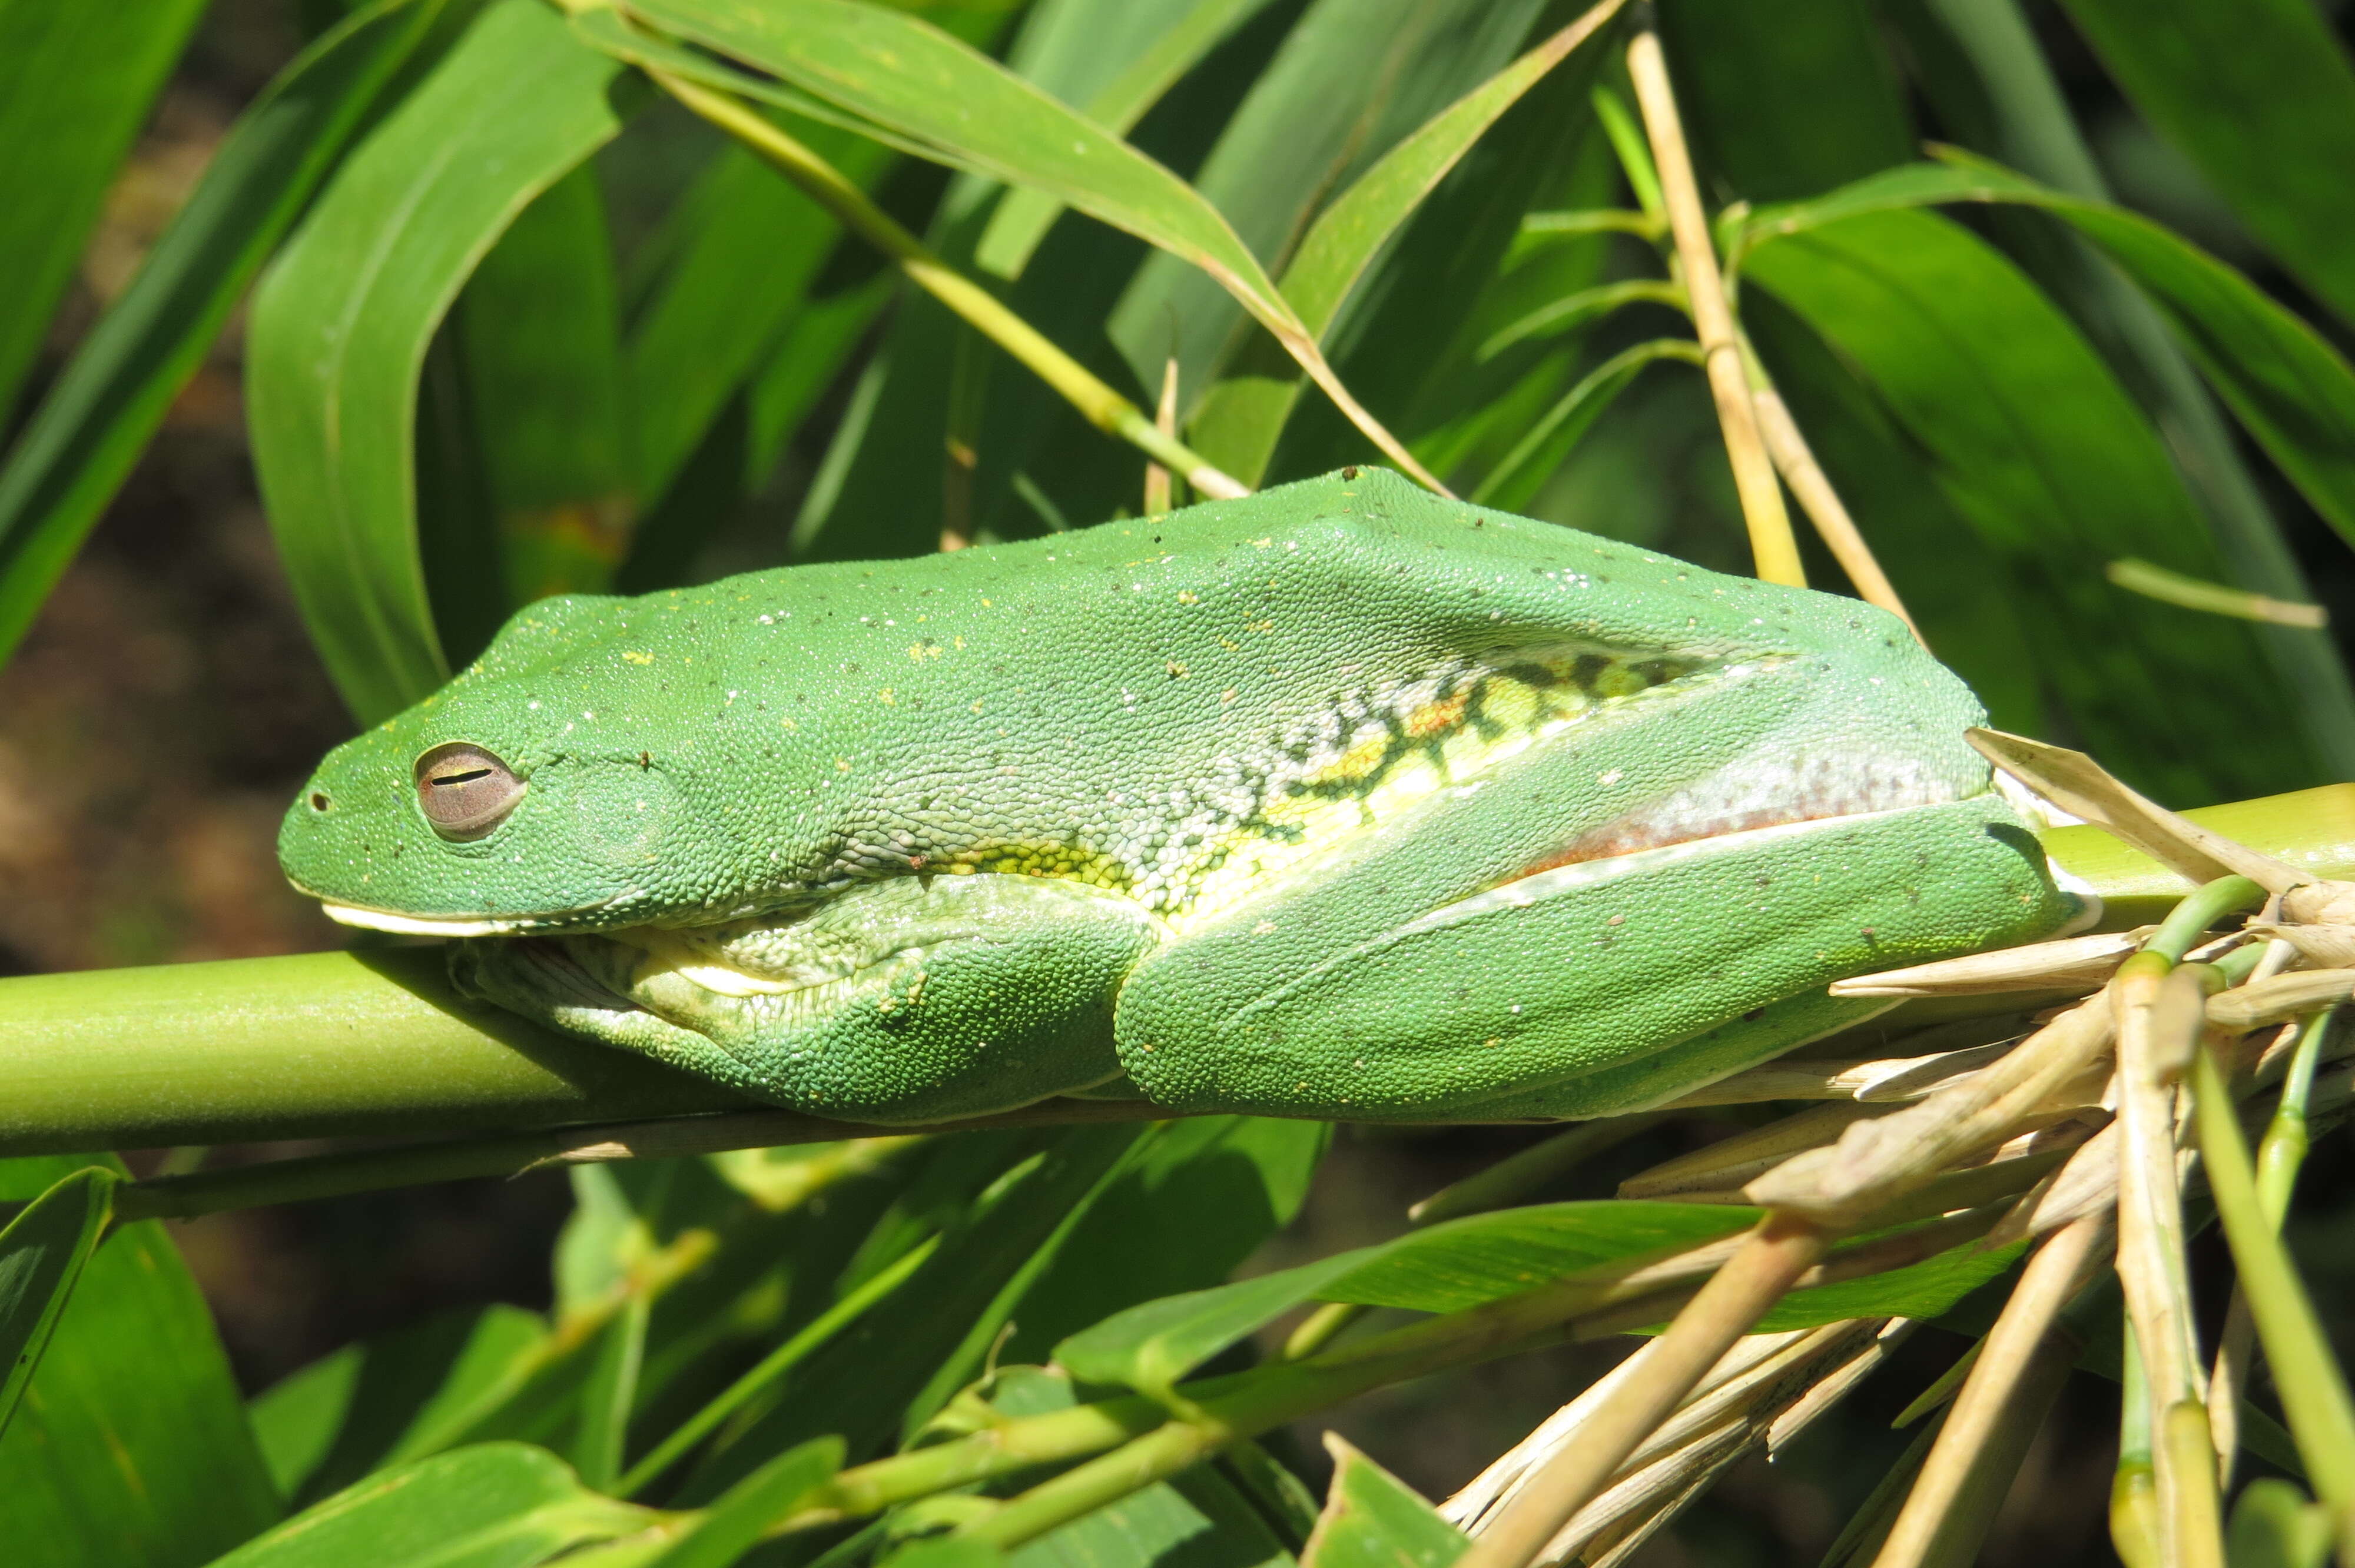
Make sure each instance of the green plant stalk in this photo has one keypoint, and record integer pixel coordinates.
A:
(1096, 402)
(2134, 1491)
(2283, 1148)
(1595, 220)
(2157, 582)
(772, 1366)
(371, 1170)
(1635, 161)
(2189, 921)
(1591, 1304)
(2314, 1395)
(1774, 552)
(1584, 305)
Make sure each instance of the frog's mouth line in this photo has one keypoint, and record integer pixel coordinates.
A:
(400, 925)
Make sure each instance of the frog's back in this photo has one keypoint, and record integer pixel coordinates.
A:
(1130, 703)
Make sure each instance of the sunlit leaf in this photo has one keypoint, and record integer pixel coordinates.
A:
(2037, 446)
(918, 82)
(2261, 96)
(498, 1504)
(1372, 1520)
(76, 84)
(130, 1449)
(342, 321)
(82, 439)
(42, 1252)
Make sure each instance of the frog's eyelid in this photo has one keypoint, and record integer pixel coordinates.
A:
(464, 790)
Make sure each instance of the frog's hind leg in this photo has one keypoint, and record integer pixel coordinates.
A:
(904, 1001)
(1583, 990)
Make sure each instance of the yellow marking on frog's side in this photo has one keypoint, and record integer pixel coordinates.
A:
(1437, 719)
(635, 657)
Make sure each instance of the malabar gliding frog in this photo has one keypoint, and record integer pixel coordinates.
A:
(1342, 801)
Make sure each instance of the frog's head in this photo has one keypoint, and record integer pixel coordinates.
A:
(501, 804)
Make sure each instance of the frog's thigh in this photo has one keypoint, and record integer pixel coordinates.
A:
(1591, 987)
(951, 997)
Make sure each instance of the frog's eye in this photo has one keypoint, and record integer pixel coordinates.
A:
(464, 790)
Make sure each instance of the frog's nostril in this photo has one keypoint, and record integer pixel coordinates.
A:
(319, 801)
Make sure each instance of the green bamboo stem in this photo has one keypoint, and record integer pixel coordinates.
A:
(2283, 1148)
(320, 1046)
(371, 1170)
(822, 183)
(2134, 1490)
(2314, 1393)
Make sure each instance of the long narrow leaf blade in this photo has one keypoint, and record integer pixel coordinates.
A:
(1346, 235)
(2294, 391)
(914, 81)
(342, 323)
(2041, 450)
(131, 1447)
(2261, 96)
(97, 418)
(42, 1251)
(76, 83)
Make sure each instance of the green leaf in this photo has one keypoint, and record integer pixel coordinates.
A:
(1348, 232)
(915, 81)
(539, 335)
(1481, 1258)
(342, 321)
(1784, 99)
(1196, 1202)
(1941, 567)
(1517, 476)
(1462, 1263)
(497, 1505)
(2039, 448)
(1407, 338)
(1372, 1520)
(130, 1449)
(1920, 1289)
(1981, 67)
(1113, 59)
(2294, 391)
(751, 247)
(2275, 1526)
(75, 83)
(932, 1335)
(2261, 96)
(1244, 415)
(609, 1393)
(97, 417)
(42, 1251)
(388, 1400)
(736, 1522)
(1352, 77)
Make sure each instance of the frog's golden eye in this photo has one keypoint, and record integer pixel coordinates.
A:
(464, 790)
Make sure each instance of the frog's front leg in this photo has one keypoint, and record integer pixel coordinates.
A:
(901, 1001)
(1590, 989)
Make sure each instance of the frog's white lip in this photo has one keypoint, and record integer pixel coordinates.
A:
(427, 925)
